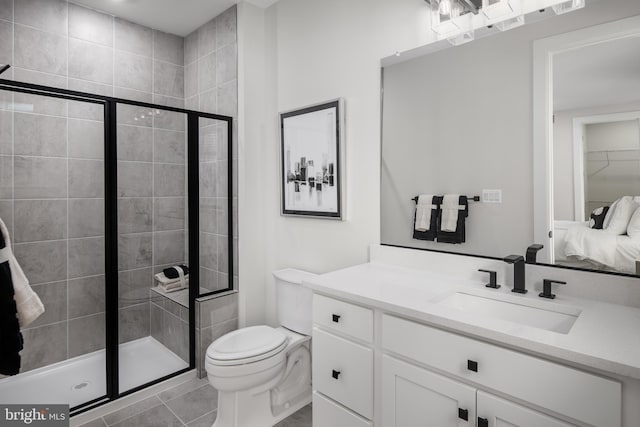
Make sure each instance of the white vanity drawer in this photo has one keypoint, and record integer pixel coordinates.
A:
(341, 316)
(327, 413)
(343, 371)
(576, 394)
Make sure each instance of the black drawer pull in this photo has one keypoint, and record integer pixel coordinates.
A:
(483, 422)
(463, 414)
(335, 374)
(335, 318)
(472, 365)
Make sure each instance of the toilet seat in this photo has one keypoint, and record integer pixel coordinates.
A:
(246, 346)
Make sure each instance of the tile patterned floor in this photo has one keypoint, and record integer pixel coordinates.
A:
(191, 404)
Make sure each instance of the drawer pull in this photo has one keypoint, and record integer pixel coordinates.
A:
(335, 318)
(472, 365)
(463, 414)
(335, 374)
(483, 422)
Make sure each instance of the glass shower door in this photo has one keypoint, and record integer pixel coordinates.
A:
(52, 183)
(152, 235)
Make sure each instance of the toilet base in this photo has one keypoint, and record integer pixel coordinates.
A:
(242, 409)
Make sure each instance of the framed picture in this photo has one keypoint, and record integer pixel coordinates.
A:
(312, 158)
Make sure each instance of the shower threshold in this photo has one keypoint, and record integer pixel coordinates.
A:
(83, 378)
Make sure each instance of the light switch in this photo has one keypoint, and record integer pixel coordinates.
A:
(491, 196)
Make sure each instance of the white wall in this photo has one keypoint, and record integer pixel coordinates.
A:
(313, 51)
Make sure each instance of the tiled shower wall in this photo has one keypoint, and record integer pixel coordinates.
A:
(51, 168)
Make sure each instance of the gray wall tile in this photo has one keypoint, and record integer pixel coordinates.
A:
(86, 334)
(133, 71)
(86, 178)
(176, 336)
(135, 143)
(86, 217)
(6, 132)
(87, 110)
(207, 38)
(43, 262)
(135, 179)
(191, 48)
(6, 177)
(192, 103)
(40, 178)
(37, 220)
(228, 99)
(208, 178)
(226, 27)
(207, 72)
(208, 149)
(169, 180)
(135, 215)
(6, 42)
(49, 15)
(132, 37)
(41, 104)
(134, 322)
(90, 25)
(6, 10)
(134, 286)
(86, 139)
(54, 299)
(156, 322)
(218, 310)
(169, 119)
(210, 209)
(208, 279)
(227, 64)
(168, 79)
(6, 214)
(86, 257)
(90, 61)
(37, 135)
(39, 78)
(168, 47)
(191, 80)
(169, 213)
(86, 296)
(209, 101)
(168, 101)
(134, 251)
(40, 51)
(44, 345)
(169, 146)
(209, 250)
(223, 254)
(169, 247)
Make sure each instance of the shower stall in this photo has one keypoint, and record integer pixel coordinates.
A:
(100, 194)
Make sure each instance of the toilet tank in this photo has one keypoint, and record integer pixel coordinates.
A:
(293, 301)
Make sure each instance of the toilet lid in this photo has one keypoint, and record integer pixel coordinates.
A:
(247, 343)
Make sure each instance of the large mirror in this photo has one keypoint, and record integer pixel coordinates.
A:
(462, 122)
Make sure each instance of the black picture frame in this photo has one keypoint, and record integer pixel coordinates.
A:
(312, 161)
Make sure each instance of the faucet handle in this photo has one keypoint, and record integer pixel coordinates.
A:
(546, 288)
(493, 279)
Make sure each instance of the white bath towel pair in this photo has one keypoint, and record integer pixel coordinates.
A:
(27, 301)
(171, 285)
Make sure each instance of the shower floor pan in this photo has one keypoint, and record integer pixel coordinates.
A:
(82, 379)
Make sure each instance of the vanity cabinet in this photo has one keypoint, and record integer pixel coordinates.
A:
(427, 376)
(413, 396)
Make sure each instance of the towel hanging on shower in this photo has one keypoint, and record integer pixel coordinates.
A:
(11, 341)
(27, 301)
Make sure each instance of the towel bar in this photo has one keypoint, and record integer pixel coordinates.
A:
(469, 198)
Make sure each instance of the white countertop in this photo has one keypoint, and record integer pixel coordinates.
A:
(605, 337)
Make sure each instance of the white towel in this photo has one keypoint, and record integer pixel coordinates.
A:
(423, 212)
(27, 301)
(450, 209)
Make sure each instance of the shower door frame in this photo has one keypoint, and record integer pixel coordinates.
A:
(110, 125)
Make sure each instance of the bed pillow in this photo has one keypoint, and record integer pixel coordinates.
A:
(633, 229)
(610, 213)
(597, 217)
(622, 209)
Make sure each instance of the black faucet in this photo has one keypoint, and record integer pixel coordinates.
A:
(518, 273)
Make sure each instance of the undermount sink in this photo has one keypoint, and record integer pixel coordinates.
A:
(556, 319)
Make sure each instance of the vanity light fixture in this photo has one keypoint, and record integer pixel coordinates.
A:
(510, 24)
(568, 6)
(496, 9)
(462, 38)
(447, 17)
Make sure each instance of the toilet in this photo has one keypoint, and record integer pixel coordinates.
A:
(263, 374)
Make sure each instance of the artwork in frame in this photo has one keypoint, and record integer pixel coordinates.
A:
(312, 157)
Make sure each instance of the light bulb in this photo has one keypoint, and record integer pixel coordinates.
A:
(445, 7)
